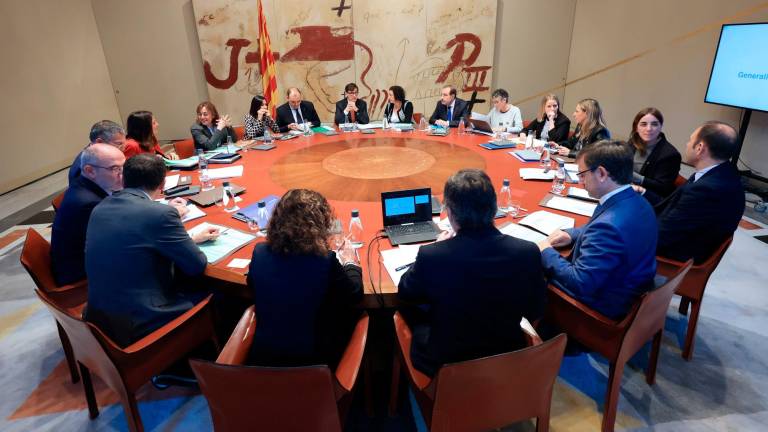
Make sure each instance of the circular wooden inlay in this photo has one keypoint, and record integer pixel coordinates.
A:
(360, 169)
(378, 162)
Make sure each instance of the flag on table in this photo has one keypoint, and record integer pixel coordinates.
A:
(267, 64)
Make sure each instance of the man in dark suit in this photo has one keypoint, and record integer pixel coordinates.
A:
(475, 285)
(449, 109)
(105, 131)
(102, 174)
(702, 213)
(613, 260)
(132, 246)
(294, 113)
(351, 109)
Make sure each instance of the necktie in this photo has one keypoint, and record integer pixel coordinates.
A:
(692, 178)
(450, 113)
(297, 115)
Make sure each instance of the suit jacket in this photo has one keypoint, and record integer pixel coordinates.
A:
(476, 286)
(699, 216)
(459, 111)
(69, 225)
(207, 140)
(661, 168)
(131, 247)
(613, 260)
(405, 115)
(74, 169)
(360, 117)
(285, 116)
(558, 134)
(303, 307)
(577, 142)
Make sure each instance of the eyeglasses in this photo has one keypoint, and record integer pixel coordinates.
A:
(116, 169)
(352, 92)
(580, 174)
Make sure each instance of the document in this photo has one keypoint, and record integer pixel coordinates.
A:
(547, 222)
(181, 163)
(572, 167)
(229, 240)
(398, 260)
(193, 213)
(478, 116)
(526, 155)
(536, 174)
(580, 207)
(523, 233)
(580, 193)
(171, 181)
(228, 172)
(239, 263)
(371, 125)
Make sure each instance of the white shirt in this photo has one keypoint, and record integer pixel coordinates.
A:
(607, 196)
(697, 175)
(512, 120)
(296, 111)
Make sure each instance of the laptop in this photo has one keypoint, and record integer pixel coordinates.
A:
(408, 216)
(480, 126)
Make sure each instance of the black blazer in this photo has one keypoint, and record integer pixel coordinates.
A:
(576, 142)
(285, 116)
(476, 287)
(133, 248)
(661, 168)
(558, 134)
(303, 304)
(205, 140)
(699, 216)
(68, 232)
(361, 116)
(405, 115)
(459, 111)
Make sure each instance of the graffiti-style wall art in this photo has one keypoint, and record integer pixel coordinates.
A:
(321, 45)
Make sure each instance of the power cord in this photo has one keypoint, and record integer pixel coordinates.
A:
(376, 240)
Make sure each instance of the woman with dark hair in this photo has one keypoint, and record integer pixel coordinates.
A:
(550, 123)
(210, 130)
(351, 109)
(656, 161)
(590, 128)
(398, 110)
(141, 135)
(258, 119)
(303, 293)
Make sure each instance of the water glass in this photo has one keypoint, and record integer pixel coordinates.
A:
(205, 181)
(337, 234)
(514, 208)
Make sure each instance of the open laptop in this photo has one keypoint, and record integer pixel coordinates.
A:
(480, 126)
(408, 216)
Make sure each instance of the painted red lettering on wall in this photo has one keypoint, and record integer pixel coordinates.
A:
(322, 43)
(229, 81)
(457, 57)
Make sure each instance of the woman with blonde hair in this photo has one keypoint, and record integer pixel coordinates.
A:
(590, 128)
(550, 123)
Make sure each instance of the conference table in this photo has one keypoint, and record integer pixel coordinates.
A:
(351, 170)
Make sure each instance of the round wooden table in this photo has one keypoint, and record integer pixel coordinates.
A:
(352, 169)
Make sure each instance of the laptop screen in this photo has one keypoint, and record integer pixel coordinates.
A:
(408, 206)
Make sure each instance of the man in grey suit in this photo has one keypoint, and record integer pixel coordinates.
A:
(133, 247)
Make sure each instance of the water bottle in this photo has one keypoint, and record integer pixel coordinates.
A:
(228, 199)
(355, 230)
(529, 141)
(545, 158)
(229, 142)
(262, 217)
(205, 179)
(423, 125)
(385, 123)
(558, 183)
(505, 196)
(461, 127)
(267, 136)
(308, 129)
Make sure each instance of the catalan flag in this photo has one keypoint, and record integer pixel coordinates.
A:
(267, 64)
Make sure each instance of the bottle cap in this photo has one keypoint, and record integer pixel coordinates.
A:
(355, 213)
(505, 182)
(561, 163)
(261, 204)
(225, 184)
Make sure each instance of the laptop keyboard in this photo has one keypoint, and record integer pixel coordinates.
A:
(418, 228)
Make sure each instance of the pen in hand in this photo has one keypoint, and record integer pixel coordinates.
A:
(403, 267)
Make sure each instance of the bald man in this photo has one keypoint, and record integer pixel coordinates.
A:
(101, 168)
(292, 114)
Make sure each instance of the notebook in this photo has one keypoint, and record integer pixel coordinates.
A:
(408, 216)
(250, 211)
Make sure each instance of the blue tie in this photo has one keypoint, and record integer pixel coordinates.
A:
(449, 114)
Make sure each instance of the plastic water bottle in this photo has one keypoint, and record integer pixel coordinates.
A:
(423, 125)
(558, 183)
(228, 199)
(267, 136)
(262, 217)
(505, 196)
(461, 127)
(385, 123)
(229, 143)
(529, 141)
(355, 230)
(205, 179)
(545, 160)
(307, 129)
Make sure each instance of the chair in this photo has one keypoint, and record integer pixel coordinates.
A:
(692, 289)
(417, 117)
(486, 393)
(56, 202)
(239, 132)
(617, 341)
(36, 259)
(680, 180)
(526, 123)
(125, 370)
(184, 148)
(277, 398)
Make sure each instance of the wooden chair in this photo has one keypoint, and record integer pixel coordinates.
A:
(417, 117)
(692, 289)
(36, 259)
(243, 398)
(680, 180)
(184, 148)
(526, 123)
(486, 393)
(56, 202)
(239, 132)
(617, 341)
(125, 370)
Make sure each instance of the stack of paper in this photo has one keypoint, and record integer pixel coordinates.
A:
(398, 260)
(371, 125)
(547, 222)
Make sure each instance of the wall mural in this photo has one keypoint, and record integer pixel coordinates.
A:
(319, 46)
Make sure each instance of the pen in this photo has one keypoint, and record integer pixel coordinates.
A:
(403, 267)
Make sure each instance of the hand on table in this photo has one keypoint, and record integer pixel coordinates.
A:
(205, 235)
(445, 235)
(180, 204)
(442, 123)
(559, 238)
(563, 151)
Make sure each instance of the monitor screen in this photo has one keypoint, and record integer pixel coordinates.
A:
(406, 206)
(739, 75)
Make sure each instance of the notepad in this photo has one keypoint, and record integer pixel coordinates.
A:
(571, 205)
(547, 222)
(227, 172)
(171, 181)
(580, 193)
(229, 241)
(399, 258)
(523, 233)
(536, 174)
(526, 155)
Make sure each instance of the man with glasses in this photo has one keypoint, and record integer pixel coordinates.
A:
(351, 109)
(613, 260)
(293, 114)
(101, 168)
(104, 131)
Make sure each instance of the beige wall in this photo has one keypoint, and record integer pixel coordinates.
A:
(154, 60)
(55, 85)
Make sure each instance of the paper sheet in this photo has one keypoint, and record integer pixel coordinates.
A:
(227, 172)
(194, 213)
(399, 257)
(171, 181)
(536, 174)
(572, 205)
(580, 193)
(229, 240)
(523, 233)
(547, 222)
(478, 116)
(371, 125)
(239, 263)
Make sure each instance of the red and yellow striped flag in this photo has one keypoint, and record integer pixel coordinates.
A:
(267, 64)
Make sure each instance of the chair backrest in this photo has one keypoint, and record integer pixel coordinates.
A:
(56, 201)
(36, 259)
(652, 313)
(526, 123)
(264, 398)
(494, 391)
(696, 281)
(184, 148)
(239, 132)
(417, 117)
(680, 180)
